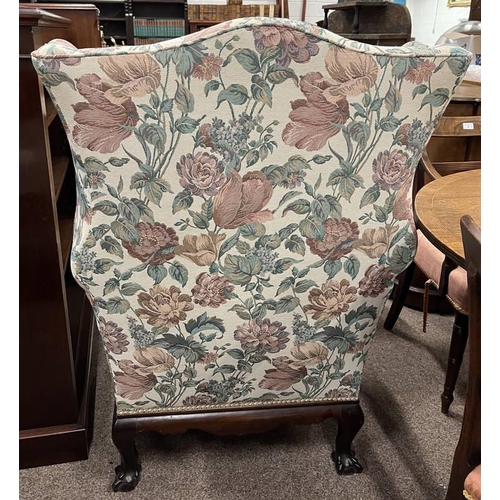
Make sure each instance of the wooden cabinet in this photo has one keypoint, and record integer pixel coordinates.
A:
(56, 323)
(131, 22)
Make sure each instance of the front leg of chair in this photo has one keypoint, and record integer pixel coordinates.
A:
(457, 349)
(349, 423)
(399, 296)
(127, 473)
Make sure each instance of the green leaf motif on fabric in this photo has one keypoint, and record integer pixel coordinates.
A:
(184, 99)
(296, 245)
(158, 273)
(240, 270)
(112, 246)
(117, 305)
(351, 266)
(154, 135)
(234, 94)
(182, 201)
(203, 323)
(436, 98)
(178, 272)
(261, 91)
(180, 347)
(337, 338)
(287, 304)
(248, 60)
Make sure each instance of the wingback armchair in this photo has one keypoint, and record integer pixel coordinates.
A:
(244, 205)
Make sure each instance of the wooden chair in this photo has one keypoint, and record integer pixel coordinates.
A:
(461, 128)
(244, 206)
(442, 273)
(465, 474)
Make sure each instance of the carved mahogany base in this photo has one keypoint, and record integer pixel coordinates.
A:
(349, 415)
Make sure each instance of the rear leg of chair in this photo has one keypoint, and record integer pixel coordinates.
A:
(127, 473)
(350, 421)
(399, 296)
(457, 349)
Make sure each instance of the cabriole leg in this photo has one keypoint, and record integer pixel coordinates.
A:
(127, 473)
(349, 423)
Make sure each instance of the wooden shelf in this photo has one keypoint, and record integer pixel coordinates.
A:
(59, 169)
(108, 19)
(55, 332)
(66, 237)
(51, 110)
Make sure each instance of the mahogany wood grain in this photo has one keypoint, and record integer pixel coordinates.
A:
(237, 422)
(42, 312)
(439, 206)
(56, 376)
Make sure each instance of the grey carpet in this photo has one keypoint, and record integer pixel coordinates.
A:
(406, 445)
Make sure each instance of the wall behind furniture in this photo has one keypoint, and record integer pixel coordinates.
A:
(314, 11)
(431, 18)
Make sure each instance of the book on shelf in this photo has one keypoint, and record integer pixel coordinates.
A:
(219, 13)
(154, 28)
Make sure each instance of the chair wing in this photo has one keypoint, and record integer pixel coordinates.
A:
(244, 204)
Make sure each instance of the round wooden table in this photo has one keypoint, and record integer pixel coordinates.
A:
(440, 204)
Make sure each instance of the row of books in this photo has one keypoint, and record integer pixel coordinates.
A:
(153, 28)
(221, 13)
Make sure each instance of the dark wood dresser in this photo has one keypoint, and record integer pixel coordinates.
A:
(56, 325)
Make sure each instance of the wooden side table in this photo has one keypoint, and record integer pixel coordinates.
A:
(439, 206)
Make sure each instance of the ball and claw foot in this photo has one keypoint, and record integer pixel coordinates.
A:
(126, 478)
(346, 464)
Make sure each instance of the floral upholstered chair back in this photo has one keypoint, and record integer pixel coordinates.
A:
(244, 205)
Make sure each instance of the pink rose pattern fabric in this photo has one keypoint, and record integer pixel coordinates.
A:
(244, 204)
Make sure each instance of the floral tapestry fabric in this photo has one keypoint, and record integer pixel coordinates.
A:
(244, 204)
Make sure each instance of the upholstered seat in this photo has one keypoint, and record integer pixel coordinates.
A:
(244, 204)
(430, 261)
